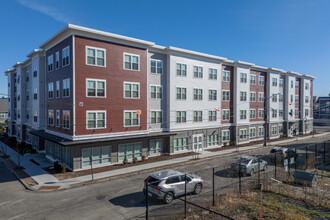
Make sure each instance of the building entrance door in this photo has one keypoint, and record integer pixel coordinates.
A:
(197, 142)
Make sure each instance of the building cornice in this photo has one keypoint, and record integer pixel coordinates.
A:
(190, 52)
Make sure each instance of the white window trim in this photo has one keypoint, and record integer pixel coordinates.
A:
(129, 126)
(180, 117)
(176, 69)
(194, 93)
(49, 91)
(262, 81)
(95, 48)
(59, 125)
(213, 74)
(97, 80)
(255, 79)
(59, 89)
(255, 97)
(52, 57)
(259, 114)
(63, 88)
(98, 111)
(132, 90)
(263, 132)
(63, 119)
(197, 116)
(222, 96)
(245, 129)
(131, 54)
(59, 64)
(275, 126)
(50, 110)
(69, 56)
(222, 76)
(247, 98)
(212, 100)
(194, 71)
(157, 110)
(255, 113)
(222, 114)
(156, 66)
(255, 132)
(181, 87)
(156, 91)
(259, 96)
(223, 135)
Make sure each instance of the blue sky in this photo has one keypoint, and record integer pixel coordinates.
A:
(291, 35)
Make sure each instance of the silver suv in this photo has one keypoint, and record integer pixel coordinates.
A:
(168, 184)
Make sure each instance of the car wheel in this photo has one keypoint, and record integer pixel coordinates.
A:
(265, 167)
(198, 189)
(168, 197)
(251, 172)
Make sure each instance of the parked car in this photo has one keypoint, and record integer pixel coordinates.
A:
(248, 165)
(282, 153)
(167, 184)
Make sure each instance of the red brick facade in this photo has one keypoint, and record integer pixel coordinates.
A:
(257, 88)
(228, 86)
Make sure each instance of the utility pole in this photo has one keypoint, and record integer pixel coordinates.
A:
(266, 121)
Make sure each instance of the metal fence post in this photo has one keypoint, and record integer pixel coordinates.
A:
(275, 164)
(295, 162)
(185, 196)
(315, 153)
(147, 191)
(306, 157)
(239, 178)
(258, 172)
(324, 155)
(213, 187)
(91, 161)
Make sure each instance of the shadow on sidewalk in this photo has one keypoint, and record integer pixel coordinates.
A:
(136, 199)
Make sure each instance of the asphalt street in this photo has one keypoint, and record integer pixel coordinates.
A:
(116, 199)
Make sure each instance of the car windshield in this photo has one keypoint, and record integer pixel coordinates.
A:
(153, 181)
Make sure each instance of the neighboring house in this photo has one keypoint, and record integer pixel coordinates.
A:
(99, 97)
(321, 110)
(3, 109)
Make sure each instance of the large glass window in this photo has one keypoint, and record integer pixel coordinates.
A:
(242, 133)
(129, 151)
(66, 56)
(66, 87)
(96, 88)
(131, 118)
(57, 60)
(66, 119)
(225, 135)
(156, 66)
(96, 119)
(132, 90)
(180, 144)
(50, 63)
(95, 56)
(97, 155)
(50, 117)
(213, 140)
(50, 90)
(155, 147)
(131, 62)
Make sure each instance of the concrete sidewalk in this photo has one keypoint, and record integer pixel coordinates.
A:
(45, 179)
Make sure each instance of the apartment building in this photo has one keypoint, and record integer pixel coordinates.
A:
(102, 97)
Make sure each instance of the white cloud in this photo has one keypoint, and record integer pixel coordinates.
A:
(46, 9)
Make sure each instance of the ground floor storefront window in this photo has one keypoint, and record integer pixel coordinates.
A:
(213, 140)
(129, 151)
(97, 155)
(180, 144)
(155, 147)
(58, 152)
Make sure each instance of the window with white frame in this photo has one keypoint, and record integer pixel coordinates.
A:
(50, 90)
(213, 73)
(35, 93)
(198, 72)
(198, 94)
(225, 95)
(225, 135)
(261, 113)
(57, 89)
(129, 151)
(261, 81)
(274, 81)
(307, 86)
(274, 130)
(291, 84)
(274, 98)
(181, 117)
(291, 98)
(226, 76)
(156, 66)
(280, 113)
(181, 69)
(156, 117)
(242, 114)
(281, 83)
(252, 96)
(66, 119)
(66, 88)
(212, 95)
(296, 112)
(50, 63)
(243, 96)
(198, 116)
(96, 155)
(156, 92)
(95, 88)
(35, 116)
(243, 78)
(252, 113)
(253, 132)
(95, 56)
(306, 113)
(261, 97)
(95, 119)
(181, 93)
(132, 62)
(242, 133)
(51, 117)
(180, 144)
(155, 147)
(253, 79)
(280, 97)
(261, 131)
(131, 90)
(274, 113)
(57, 118)
(212, 115)
(131, 118)
(280, 129)
(212, 140)
(296, 85)
(306, 99)
(226, 115)
(296, 99)
(66, 56)
(57, 60)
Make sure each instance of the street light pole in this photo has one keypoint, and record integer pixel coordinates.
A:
(266, 122)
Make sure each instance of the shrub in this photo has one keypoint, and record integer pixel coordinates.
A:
(234, 143)
(57, 166)
(63, 168)
(225, 144)
(134, 160)
(144, 158)
(125, 161)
